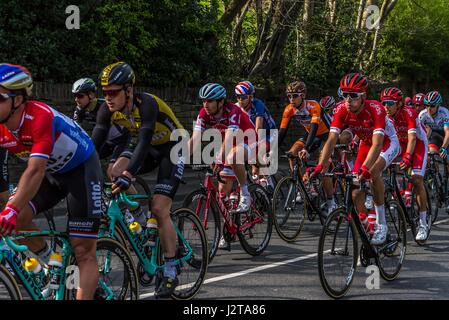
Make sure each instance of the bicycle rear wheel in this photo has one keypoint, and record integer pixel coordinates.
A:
(392, 253)
(337, 253)
(196, 201)
(256, 225)
(288, 214)
(191, 270)
(9, 289)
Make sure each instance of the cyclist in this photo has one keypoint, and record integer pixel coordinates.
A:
(413, 140)
(85, 92)
(378, 147)
(418, 102)
(316, 124)
(220, 114)
(327, 104)
(61, 163)
(260, 118)
(148, 122)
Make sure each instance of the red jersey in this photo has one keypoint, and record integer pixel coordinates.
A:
(406, 121)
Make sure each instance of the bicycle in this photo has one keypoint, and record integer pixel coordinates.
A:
(191, 253)
(289, 212)
(437, 186)
(114, 283)
(253, 228)
(392, 191)
(338, 251)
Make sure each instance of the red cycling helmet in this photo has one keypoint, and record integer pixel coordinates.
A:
(354, 82)
(391, 93)
(408, 101)
(418, 99)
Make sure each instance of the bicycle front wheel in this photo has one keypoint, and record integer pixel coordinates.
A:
(288, 209)
(392, 253)
(337, 253)
(256, 225)
(9, 289)
(191, 253)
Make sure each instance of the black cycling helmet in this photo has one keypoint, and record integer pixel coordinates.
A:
(117, 73)
(84, 85)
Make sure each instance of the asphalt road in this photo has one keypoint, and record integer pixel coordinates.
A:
(289, 271)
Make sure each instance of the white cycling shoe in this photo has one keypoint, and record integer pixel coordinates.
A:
(422, 233)
(380, 234)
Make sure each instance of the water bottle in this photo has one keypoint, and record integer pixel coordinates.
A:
(55, 269)
(151, 232)
(34, 267)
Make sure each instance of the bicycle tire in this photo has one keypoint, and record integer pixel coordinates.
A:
(10, 285)
(188, 288)
(389, 250)
(332, 227)
(127, 288)
(261, 211)
(213, 233)
(287, 232)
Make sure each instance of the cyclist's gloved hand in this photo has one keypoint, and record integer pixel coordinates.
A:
(217, 166)
(311, 172)
(8, 219)
(121, 183)
(443, 152)
(406, 161)
(364, 172)
(303, 154)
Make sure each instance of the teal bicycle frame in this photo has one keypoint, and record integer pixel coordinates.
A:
(115, 216)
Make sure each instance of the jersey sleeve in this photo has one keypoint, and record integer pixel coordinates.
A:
(338, 123)
(410, 117)
(43, 138)
(379, 118)
(260, 108)
(315, 112)
(200, 123)
(445, 117)
(286, 116)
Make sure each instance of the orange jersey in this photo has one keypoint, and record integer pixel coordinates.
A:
(310, 113)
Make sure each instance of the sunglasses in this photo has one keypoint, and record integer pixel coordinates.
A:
(242, 96)
(112, 93)
(6, 96)
(430, 106)
(208, 100)
(351, 95)
(388, 103)
(293, 96)
(79, 95)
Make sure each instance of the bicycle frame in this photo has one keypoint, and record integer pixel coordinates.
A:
(115, 216)
(33, 288)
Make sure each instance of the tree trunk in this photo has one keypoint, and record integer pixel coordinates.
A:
(270, 58)
(331, 18)
(259, 17)
(360, 14)
(237, 33)
(232, 11)
(306, 17)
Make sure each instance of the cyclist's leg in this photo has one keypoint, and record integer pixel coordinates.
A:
(84, 206)
(236, 160)
(295, 148)
(358, 197)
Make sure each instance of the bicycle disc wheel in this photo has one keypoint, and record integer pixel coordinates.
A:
(9, 289)
(196, 201)
(288, 214)
(392, 253)
(191, 270)
(256, 225)
(337, 253)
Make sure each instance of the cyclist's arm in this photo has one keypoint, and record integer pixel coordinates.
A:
(285, 123)
(411, 143)
(328, 149)
(79, 114)
(375, 150)
(311, 136)
(4, 178)
(29, 182)
(148, 117)
(259, 126)
(101, 128)
(411, 125)
(446, 137)
(194, 144)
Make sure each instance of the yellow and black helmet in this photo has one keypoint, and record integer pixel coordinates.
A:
(117, 73)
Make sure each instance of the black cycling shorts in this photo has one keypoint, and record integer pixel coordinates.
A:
(317, 142)
(82, 188)
(436, 138)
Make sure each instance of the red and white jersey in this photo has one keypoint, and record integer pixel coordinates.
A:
(232, 118)
(370, 121)
(406, 121)
(45, 133)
